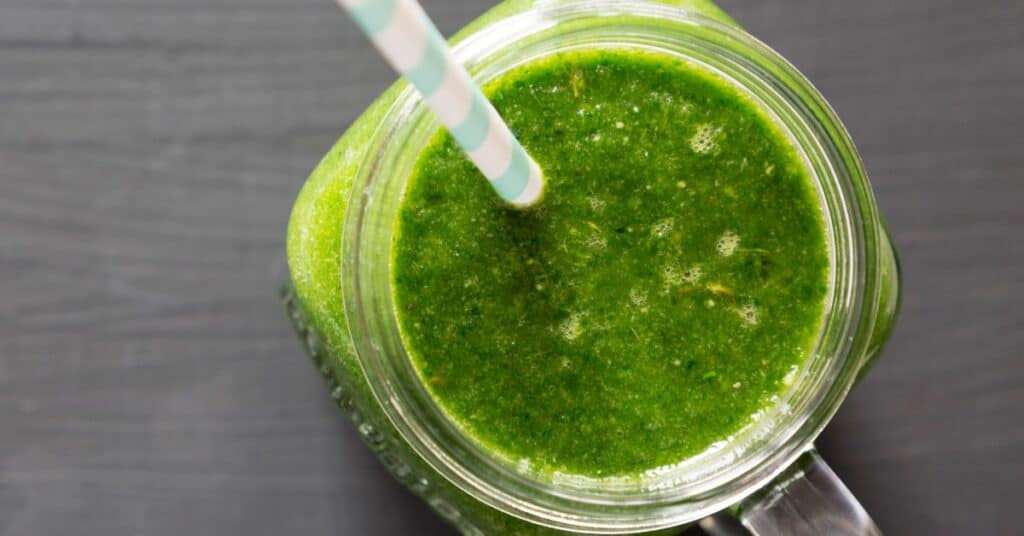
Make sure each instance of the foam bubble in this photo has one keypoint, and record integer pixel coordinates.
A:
(638, 297)
(596, 203)
(672, 276)
(727, 244)
(692, 274)
(571, 327)
(662, 227)
(704, 140)
(748, 312)
(596, 241)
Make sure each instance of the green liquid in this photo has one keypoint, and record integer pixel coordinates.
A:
(663, 292)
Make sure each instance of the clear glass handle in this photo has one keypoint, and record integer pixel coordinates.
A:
(806, 499)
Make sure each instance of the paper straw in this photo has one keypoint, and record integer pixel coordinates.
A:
(403, 33)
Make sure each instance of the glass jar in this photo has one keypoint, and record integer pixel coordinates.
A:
(340, 299)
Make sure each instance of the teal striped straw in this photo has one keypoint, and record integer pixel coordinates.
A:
(403, 33)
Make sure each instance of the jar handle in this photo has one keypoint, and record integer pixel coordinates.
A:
(806, 499)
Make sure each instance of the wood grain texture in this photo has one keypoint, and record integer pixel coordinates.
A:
(150, 151)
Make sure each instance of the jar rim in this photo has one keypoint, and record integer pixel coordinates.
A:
(726, 475)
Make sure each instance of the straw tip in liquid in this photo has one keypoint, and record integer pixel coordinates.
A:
(534, 189)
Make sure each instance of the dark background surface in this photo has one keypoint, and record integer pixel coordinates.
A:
(150, 151)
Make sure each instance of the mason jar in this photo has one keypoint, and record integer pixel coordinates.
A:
(340, 302)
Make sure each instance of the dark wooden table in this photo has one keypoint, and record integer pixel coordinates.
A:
(150, 151)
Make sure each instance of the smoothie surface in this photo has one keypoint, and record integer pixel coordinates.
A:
(664, 292)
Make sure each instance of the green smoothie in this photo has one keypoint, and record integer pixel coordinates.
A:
(663, 293)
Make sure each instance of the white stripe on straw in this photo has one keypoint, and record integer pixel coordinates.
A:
(403, 33)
